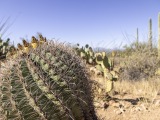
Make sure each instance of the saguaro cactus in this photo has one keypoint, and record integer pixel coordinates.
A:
(137, 38)
(150, 34)
(159, 35)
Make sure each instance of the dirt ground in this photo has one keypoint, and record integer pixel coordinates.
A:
(129, 107)
(126, 105)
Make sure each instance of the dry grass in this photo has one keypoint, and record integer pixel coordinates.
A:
(138, 63)
(138, 89)
(144, 88)
(136, 100)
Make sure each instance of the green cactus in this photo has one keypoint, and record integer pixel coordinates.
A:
(105, 65)
(103, 60)
(4, 48)
(159, 35)
(137, 39)
(137, 36)
(86, 49)
(150, 34)
(91, 56)
(83, 54)
(77, 49)
(91, 53)
(86, 53)
(50, 83)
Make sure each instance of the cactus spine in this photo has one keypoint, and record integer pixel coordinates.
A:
(150, 34)
(49, 83)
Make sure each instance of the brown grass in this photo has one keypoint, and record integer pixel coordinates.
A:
(137, 92)
(144, 93)
(144, 88)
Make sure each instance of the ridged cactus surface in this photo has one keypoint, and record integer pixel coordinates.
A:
(50, 83)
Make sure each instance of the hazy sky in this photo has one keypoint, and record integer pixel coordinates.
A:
(100, 23)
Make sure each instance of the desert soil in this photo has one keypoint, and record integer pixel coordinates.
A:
(126, 106)
(129, 107)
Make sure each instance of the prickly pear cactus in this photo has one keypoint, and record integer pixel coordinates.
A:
(86, 53)
(102, 65)
(105, 65)
(12, 52)
(50, 83)
(103, 61)
(4, 48)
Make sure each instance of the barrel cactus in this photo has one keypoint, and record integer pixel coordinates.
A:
(49, 83)
(34, 42)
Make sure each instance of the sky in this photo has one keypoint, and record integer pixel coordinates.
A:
(99, 23)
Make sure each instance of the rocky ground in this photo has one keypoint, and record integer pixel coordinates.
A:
(129, 107)
(127, 103)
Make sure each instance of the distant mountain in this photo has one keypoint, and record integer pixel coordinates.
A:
(101, 49)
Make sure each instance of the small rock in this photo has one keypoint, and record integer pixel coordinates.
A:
(143, 107)
(119, 111)
(126, 104)
(156, 102)
(105, 105)
(113, 103)
(138, 108)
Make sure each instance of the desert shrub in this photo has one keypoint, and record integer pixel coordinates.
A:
(140, 63)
